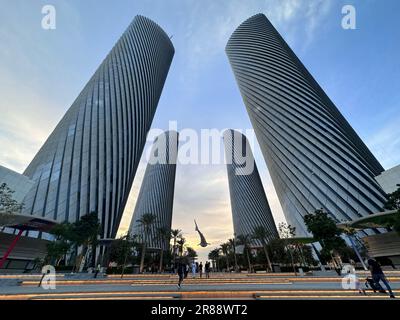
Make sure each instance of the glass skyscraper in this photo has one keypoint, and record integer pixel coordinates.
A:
(250, 208)
(156, 194)
(315, 158)
(89, 161)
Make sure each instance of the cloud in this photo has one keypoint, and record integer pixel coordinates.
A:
(315, 13)
(211, 25)
(29, 110)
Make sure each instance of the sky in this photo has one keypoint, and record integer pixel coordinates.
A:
(42, 72)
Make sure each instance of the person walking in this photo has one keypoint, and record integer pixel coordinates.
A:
(207, 270)
(181, 270)
(378, 275)
(186, 269)
(97, 270)
(201, 269)
(193, 269)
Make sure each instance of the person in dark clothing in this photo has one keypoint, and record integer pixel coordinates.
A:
(181, 269)
(378, 275)
(186, 270)
(201, 269)
(97, 271)
(207, 269)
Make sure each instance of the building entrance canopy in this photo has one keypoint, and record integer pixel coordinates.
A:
(26, 222)
(377, 220)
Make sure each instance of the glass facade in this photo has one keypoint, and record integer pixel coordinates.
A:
(90, 159)
(250, 208)
(315, 158)
(156, 194)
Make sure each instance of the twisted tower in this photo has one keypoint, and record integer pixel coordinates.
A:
(156, 194)
(250, 208)
(90, 159)
(315, 158)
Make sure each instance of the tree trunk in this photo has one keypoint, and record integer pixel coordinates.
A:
(142, 258)
(123, 267)
(248, 260)
(303, 259)
(227, 262)
(161, 260)
(94, 253)
(291, 257)
(234, 255)
(80, 258)
(173, 252)
(267, 256)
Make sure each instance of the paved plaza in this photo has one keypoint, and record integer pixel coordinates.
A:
(219, 286)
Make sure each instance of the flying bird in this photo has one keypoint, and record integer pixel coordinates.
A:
(203, 242)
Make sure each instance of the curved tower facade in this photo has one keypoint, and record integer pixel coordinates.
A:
(315, 158)
(90, 159)
(156, 195)
(250, 208)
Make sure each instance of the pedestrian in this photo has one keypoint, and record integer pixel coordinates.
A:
(186, 270)
(97, 271)
(181, 269)
(378, 275)
(201, 269)
(207, 269)
(193, 269)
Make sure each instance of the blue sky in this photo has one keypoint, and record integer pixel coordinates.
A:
(42, 72)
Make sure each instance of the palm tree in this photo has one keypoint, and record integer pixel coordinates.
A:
(263, 235)
(191, 253)
(164, 235)
(225, 250)
(245, 240)
(175, 233)
(233, 245)
(214, 256)
(128, 243)
(286, 231)
(146, 221)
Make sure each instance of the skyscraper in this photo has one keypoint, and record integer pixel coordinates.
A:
(89, 161)
(156, 194)
(315, 158)
(250, 208)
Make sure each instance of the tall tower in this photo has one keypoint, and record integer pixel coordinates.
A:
(315, 158)
(250, 208)
(156, 194)
(90, 159)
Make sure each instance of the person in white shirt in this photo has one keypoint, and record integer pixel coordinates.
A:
(194, 267)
